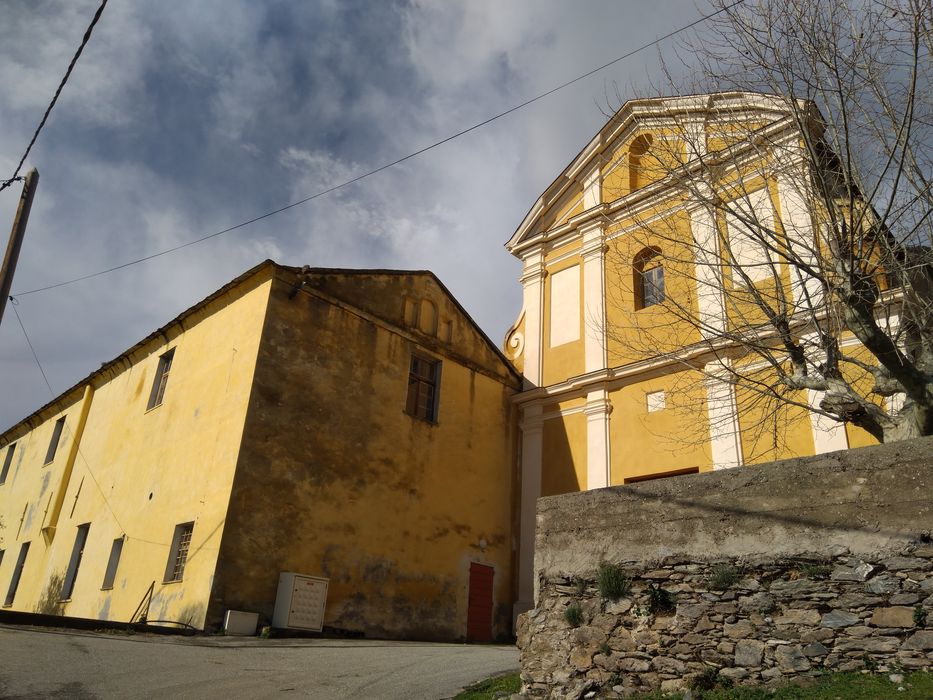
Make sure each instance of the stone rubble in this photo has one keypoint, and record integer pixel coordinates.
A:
(778, 620)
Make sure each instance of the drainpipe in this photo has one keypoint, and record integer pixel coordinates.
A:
(58, 495)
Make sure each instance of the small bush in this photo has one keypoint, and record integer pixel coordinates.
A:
(710, 680)
(817, 572)
(920, 616)
(660, 600)
(605, 649)
(724, 576)
(573, 615)
(611, 582)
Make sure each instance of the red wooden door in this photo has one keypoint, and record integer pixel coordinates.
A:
(479, 608)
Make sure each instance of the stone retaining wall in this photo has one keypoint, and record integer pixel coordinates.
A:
(751, 576)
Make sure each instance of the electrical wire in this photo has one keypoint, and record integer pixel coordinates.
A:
(386, 166)
(48, 111)
(14, 303)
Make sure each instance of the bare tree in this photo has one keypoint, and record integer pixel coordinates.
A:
(806, 276)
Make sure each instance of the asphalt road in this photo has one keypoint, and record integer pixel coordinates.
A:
(38, 663)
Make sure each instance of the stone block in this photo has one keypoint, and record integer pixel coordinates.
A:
(691, 611)
(739, 630)
(920, 641)
(906, 564)
(895, 616)
(856, 570)
(815, 649)
(877, 645)
(883, 584)
(791, 659)
(748, 652)
(798, 616)
(666, 664)
(838, 618)
(735, 674)
(903, 599)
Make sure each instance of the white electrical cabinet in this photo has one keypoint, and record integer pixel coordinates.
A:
(300, 602)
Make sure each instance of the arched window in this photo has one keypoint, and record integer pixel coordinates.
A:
(636, 168)
(648, 278)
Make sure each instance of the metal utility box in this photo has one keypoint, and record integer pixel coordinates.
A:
(240, 624)
(300, 602)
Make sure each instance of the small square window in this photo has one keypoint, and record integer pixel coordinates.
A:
(7, 461)
(159, 382)
(53, 443)
(423, 380)
(656, 401)
(178, 555)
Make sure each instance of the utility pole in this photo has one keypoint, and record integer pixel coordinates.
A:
(16, 237)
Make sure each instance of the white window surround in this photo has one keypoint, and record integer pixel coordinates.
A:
(564, 308)
(655, 401)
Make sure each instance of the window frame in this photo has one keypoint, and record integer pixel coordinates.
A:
(55, 441)
(418, 382)
(160, 380)
(7, 462)
(178, 554)
(74, 564)
(113, 563)
(648, 273)
(17, 575)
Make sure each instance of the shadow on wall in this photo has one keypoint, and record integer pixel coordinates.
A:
(558, 475)
(50, 603)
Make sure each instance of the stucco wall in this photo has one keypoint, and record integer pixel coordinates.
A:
(336, 480)
(139, 472)
(768, 571)
(866, 500)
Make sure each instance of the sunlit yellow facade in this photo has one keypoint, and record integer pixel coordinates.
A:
(282, 436)
(618, 388)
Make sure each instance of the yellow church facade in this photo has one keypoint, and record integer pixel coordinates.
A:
(348, 425)
(619, 386)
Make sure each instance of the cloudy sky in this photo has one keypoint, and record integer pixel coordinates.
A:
(183, 118)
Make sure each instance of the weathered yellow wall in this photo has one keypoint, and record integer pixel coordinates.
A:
(563, 467)
(140, 472)
(336, 480)
(636, 334)
(671, 439)
(567, 359)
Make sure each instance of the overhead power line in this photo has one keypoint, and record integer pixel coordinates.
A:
(48, 111)
(386, 166)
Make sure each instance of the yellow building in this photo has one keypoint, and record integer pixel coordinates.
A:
(353, 425)
(620, 387)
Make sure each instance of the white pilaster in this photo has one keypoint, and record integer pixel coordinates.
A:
(532, 280)
(708, 268)
(598, 462)
(797, 220)
(532, 427)
(828, 435)
(593, 252)
(721, 407)
(592, 188)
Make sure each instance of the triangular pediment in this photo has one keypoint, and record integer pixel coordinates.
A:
(566, 197)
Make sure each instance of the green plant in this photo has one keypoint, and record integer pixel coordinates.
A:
(724, 576)
(580, 585)
(573, 614)
(817, 572)
(612, 582)
(605, 649)
(659, 600)
(710, 680)
(871, 664)
(495, 687)
(920, 616)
